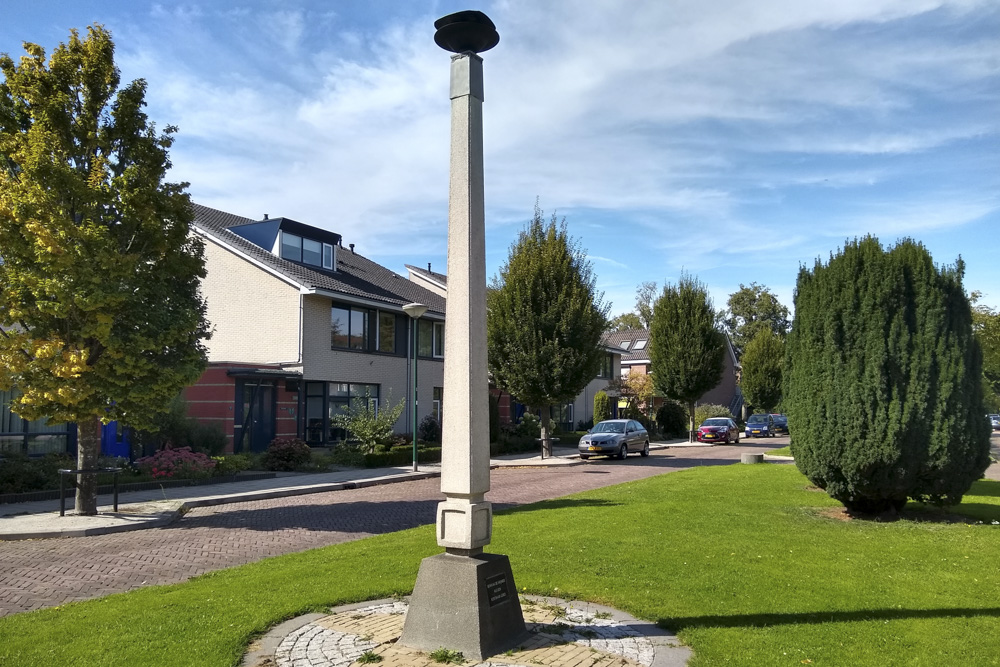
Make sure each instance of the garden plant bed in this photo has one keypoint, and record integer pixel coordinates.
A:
(125, 487)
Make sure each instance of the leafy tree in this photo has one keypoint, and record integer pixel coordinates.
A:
(645, 298)
(625, 322)
(366, 422)
(602, 407)
(763, 360)
(545, 320)
(882, 379)
(100, 314)
(751, 309)
(685, 349)
(986, 325)
(636, 390)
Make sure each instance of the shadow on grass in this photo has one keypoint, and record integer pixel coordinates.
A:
(557, 504)
(814, 618)
(964, 513)
(989, 488)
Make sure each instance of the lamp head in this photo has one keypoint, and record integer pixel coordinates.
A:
(466, 31)
(415, 310)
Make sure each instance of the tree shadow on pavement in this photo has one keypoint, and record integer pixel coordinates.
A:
(354, 518)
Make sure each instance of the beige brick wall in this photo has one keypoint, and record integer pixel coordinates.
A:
(254, 315)
(583, 405)
(322, 363)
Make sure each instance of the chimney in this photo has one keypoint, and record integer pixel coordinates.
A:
(428, 267)
(352, 248)
(265, 216)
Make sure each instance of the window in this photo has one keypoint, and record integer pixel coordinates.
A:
(439, 340)
(312, 252)
(306, 251)
(430, 341)
(342, 395)
(386, 332)
(291, 247)
(639, 345)
(314, 411)
(606, 366)
(348, 328)
(562, 415)
(626, 345)
(29, 437)
(436, 403)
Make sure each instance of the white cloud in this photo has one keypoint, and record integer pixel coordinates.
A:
(696, 132)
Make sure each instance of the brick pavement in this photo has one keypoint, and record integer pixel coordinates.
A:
(43, 573)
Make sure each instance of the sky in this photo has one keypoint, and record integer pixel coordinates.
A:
(734, 140)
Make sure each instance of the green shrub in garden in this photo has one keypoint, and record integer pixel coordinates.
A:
(231, 464)
(672, 419)
(602, 406)
(703, 412)
(21, 474)
(286, 455)
(883, 379)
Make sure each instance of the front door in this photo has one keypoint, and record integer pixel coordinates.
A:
(258, 416)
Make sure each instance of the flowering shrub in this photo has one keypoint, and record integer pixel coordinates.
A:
(286, 454)
(179, 463)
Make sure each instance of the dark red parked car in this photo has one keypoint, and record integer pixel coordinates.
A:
(719, 429)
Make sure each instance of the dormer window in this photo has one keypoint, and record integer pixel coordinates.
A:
(639, 345)
(306, 251)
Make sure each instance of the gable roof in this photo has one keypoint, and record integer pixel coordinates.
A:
(439, 279)
(356, 276)
(628, 338)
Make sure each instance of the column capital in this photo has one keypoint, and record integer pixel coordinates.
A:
(467, 76)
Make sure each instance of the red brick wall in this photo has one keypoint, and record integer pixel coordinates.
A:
(212, 400)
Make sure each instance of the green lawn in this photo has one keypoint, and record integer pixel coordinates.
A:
(740, 560)
(781, 451)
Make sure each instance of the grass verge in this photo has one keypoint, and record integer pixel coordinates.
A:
(747, 563)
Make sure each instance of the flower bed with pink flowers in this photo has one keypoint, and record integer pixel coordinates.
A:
(179, 463)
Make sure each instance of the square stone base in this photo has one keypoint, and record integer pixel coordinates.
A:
(465, 603)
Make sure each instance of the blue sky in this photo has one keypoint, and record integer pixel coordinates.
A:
(735, 140)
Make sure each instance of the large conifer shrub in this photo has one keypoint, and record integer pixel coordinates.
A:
(882, 379)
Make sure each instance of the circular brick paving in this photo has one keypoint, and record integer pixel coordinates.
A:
(561, 634)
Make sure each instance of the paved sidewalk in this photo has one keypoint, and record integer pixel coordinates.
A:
(160, 507)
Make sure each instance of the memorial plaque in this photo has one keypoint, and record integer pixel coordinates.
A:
(496, 589)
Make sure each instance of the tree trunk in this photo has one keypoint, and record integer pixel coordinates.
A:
(88, 449)
(546, 438)
(691, 431)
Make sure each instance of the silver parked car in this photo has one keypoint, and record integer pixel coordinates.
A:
(615, 437)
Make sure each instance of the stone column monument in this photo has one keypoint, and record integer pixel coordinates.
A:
(465, 599)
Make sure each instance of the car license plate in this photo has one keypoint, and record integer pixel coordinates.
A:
(756, 432)
(709, 436)
(592, 449)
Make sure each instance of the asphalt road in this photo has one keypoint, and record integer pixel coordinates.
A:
(44, 573)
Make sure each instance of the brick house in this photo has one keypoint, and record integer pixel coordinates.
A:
(302, 326)
(635, 359)
(569, 415)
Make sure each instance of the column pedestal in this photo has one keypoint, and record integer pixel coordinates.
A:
(467, 604)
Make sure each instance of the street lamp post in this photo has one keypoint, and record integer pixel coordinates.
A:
(465, 599)
(415, 311)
